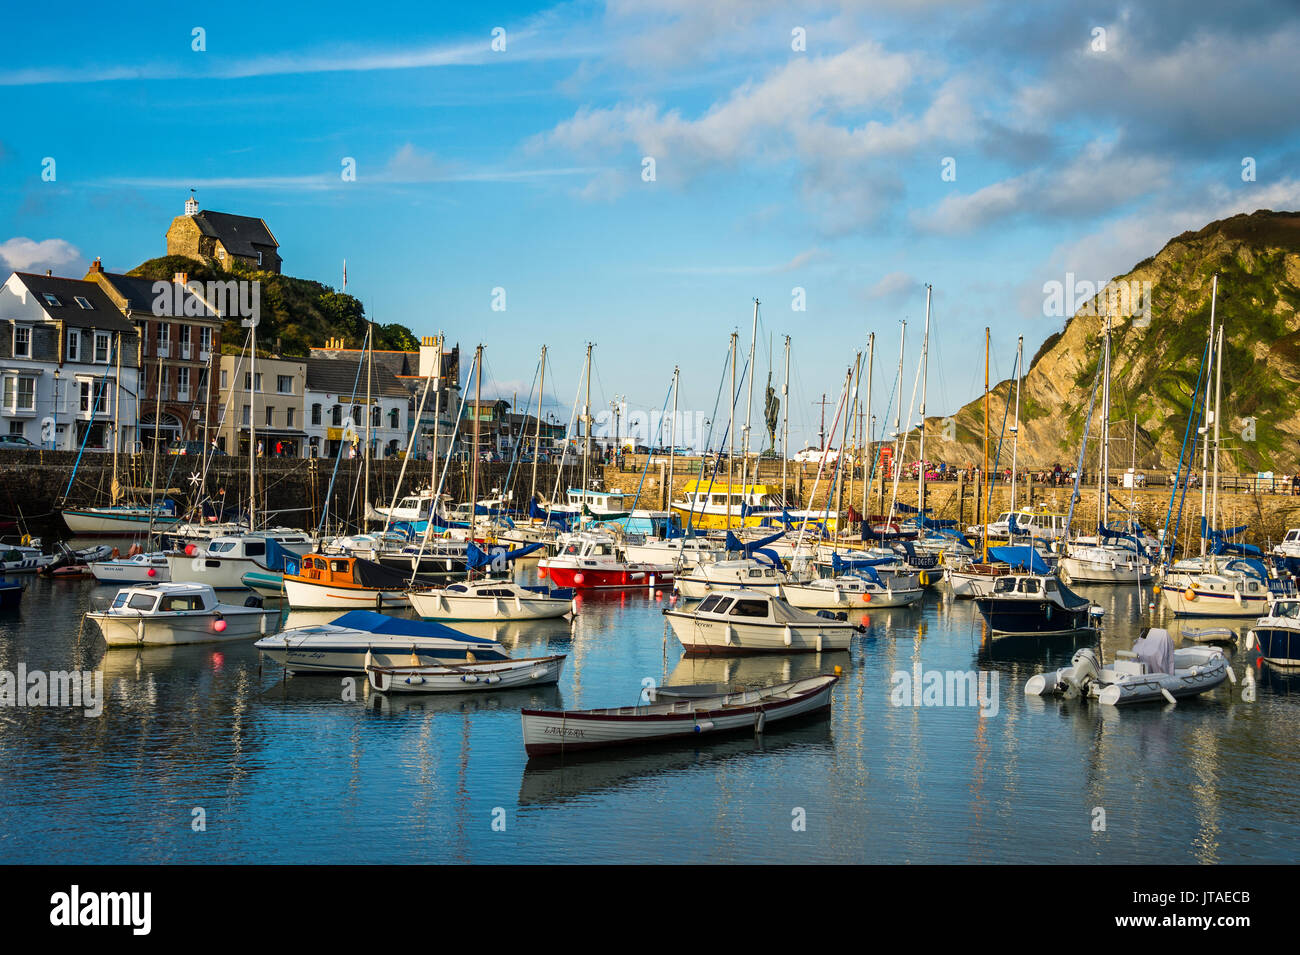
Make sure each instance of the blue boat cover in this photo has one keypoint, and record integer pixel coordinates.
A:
(1022, 556)
(368, 621)
(476, 557)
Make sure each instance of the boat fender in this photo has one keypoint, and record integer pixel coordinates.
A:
(1189, 593)
(1232, 677)
(866, 598)
(496, 607)
(1049, 611)
(537, 673)
(819, 641)
(729, 635)
(789, 636)
(1250, 639)
(579, 579)
(1164, 691)
(468, 678)
(219, 624)
(703, 726)
(114, 554)
(491, 678)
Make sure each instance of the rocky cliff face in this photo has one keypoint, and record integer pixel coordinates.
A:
(1157, 346)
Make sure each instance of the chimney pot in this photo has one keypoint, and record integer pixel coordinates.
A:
(180, 278)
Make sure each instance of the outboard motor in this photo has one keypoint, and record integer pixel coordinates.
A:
(1082, 670)
(253, 600)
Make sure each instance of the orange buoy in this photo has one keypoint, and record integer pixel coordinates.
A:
(578, 578)
(1189, 593)
(866, 598)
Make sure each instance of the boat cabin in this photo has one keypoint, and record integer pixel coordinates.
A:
(165, 598)
(754, 606)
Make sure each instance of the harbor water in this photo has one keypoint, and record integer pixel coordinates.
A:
(208, 754)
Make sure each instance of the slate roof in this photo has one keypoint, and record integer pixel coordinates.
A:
(138, 295)
(102, 314)
(338, 376)
(241, 235)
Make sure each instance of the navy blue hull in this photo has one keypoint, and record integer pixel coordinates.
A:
(1030, 616)
(1278, 645)
(11, 594)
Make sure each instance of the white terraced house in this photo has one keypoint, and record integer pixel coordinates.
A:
(69, 364)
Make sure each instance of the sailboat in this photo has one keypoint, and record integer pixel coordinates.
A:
(1107, 558)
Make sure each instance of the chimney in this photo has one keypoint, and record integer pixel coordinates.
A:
(180, 278)
(96, 266)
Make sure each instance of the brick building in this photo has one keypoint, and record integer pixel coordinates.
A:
(224, 238)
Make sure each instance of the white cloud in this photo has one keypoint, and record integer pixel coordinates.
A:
(21, 254)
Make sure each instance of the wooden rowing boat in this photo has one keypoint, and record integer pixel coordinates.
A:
(465, 677)
(548, 732)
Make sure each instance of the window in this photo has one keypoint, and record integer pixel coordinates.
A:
(22, 341)
(103, 351)
(17, 427)
(336, 415)
(259, 258)
(162, 381)
(284, 384)
(221, 255)
(356, 414)
(19, 394)
(225, 382)
(392, 419)
(205, 339)
(83, 302)
(270, 417)
(749, 608)
(182, 381)
(52, 300)
(185, 336)
(315, 414)
(254, 549)
(376, 417)
(74, 345)
(247, 415)
(253, 381)
(164, 334)
(143, 602)
(288, 417)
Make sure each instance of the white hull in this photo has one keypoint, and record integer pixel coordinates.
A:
(1196, 670)
(807, 597)
(693, 587)
(123, 523)
(498, 675)
(1079, 570)
(219, 573)
(965, 584)
(131, 571)
(553, 732)
(1214, 604)
(704, 635)
(178, 629)
(303, 595)
(439, 605)
(327, 649)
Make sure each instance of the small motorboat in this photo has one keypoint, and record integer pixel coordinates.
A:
(848, 592)
(745, 573)
(328, 581)
(492, 599)
(137, 568)
(749, 621)
(593, 560)
(171, 614)
(1153, 670)
(1277, 634)
(464, 677)
(344, 645)
(549, 732)
(1038, 604)
(11, 593)
(67, 572)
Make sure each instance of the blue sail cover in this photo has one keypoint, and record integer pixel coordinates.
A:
(368, 621)
(735, 543)
(476, 557)
(867, 573)
(1247, 565)
(841, 566)
(1022, 556)
(278, 558)
(536, 513)
(1107, 536)
(1219, 545)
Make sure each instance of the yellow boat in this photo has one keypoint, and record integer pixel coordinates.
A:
(704, 504)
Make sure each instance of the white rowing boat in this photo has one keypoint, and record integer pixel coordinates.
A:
(464, 677)
(549, 732)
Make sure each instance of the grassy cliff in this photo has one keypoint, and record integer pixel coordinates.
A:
(299, 313)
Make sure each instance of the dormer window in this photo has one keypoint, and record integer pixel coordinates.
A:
(22, 341)
(83, 302)
(51, 299)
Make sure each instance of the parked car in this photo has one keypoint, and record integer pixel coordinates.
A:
(15, 442)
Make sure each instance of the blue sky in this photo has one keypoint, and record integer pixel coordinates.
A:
(775, 168)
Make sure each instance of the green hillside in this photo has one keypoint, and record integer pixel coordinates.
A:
(299, 313)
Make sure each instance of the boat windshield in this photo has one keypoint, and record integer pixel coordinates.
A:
(1290, 609)
(1005, 585)
(142, 602)
(749, 608)
(182, 602)
(1028, 585)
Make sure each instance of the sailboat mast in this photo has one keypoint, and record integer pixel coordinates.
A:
(672, 445)
(117, 400)
(1218, 397)
(586, 417)
(1103, 452)
(478, 410)
(731, 430)
(252, 427)
(1015, 431)
(868, 459)
(1211, 416)
(749, 406)
(537, 441)
(157, 437)
(925, 381)
(984, 472)
(785, 420)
